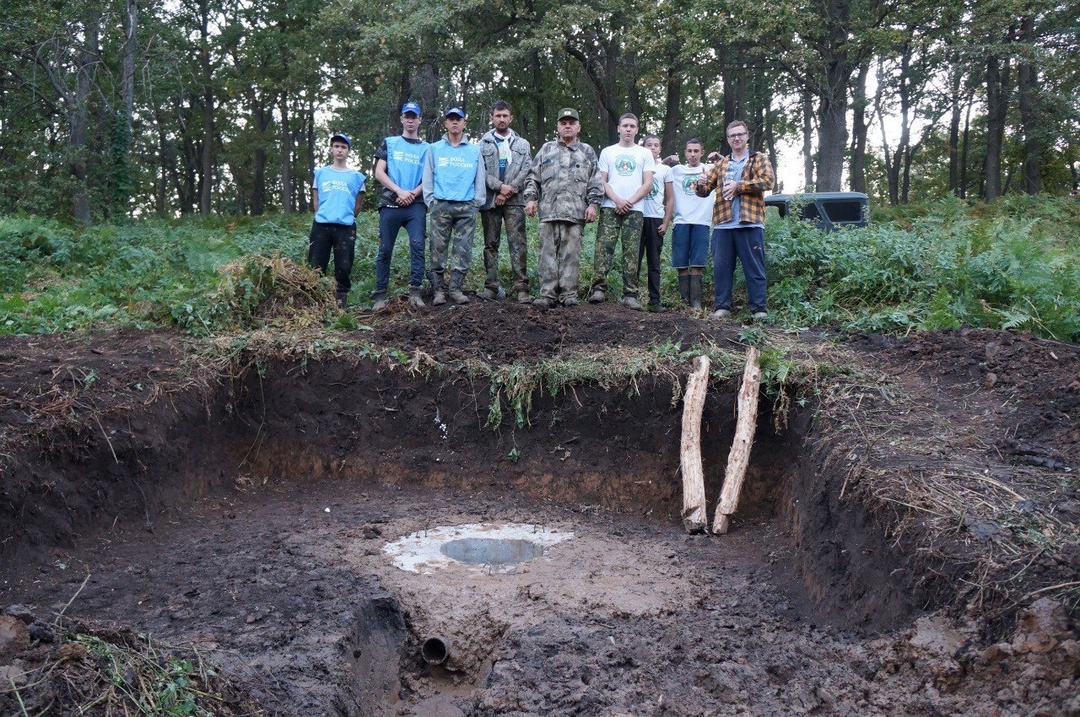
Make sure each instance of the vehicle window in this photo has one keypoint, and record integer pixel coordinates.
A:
(843, 210)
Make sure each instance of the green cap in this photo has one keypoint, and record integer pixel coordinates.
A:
(568, 112)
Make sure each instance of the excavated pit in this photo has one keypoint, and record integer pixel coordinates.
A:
(298, 471)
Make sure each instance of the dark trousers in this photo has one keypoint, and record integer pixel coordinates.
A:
(652, 243)
(748, 245)
(339, 239)
(391, 220)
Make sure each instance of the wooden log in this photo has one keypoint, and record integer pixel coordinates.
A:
(739, 457)
(694, 513)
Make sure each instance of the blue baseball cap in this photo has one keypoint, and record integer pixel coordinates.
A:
(455, 111)
(342, 138)
(411, 107)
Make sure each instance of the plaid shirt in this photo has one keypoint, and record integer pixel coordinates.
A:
(757, 176)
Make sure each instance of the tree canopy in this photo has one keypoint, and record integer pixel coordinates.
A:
(115, 108)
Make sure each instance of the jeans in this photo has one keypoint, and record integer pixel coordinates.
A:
(339, 239)
(391, 220)
(748, 245)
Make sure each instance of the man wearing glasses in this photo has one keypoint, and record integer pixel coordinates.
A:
(740, 180)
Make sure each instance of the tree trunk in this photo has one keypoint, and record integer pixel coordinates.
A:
(954, 128)
(206, 164)
(80, 113)
(1027, 89)
(997, 106)
(808, 140)
(859, 129)
(672, 115)
(286, 158)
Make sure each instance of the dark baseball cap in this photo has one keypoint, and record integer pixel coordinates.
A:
(341, 138)
(568, 112)
(455, 111)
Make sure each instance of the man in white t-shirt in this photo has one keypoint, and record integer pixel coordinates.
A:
(627, 171)
(654, 224)
(692, 217)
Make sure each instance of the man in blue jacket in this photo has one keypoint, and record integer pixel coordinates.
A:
(453, 191)
(336, 195)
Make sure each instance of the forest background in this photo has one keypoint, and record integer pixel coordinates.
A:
(119, 109)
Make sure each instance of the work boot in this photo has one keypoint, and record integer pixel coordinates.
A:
(760, 315)
(439, 294)
(597, 297)
(695, 291)
(524, 297)
(631, 303)
(721, 314)
(657, 308)
(342, 299)
(569, 300)
(415, 300)
(381, 302)
(457, 278)
(543, 303)
(684, 287)
(488, 294)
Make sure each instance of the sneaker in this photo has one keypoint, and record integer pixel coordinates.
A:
(597, 297)
(458, 297)
(721, 314)
(415, 302)
(380, 304)
(569, 301)
(542, 303)
(524, 297)
(440, 298)
(631, 303)
(657, 308)
(488, 294)
(760, 315)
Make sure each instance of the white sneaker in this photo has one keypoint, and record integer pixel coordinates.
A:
(721, 314)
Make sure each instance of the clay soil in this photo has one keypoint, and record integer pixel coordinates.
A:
(231, 500)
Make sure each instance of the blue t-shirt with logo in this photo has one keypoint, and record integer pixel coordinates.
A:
(455, 170)
(337, 190)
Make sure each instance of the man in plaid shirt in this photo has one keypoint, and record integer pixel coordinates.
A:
(740, 180)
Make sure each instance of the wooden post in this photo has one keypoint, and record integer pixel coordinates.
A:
(694, 513)
(739, 458)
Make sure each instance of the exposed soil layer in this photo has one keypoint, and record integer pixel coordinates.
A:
(242, 507)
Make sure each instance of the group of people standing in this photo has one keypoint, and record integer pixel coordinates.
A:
(635, 195)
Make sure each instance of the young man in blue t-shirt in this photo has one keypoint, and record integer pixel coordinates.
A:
(336, 195)
(454, 189)
(399, 167)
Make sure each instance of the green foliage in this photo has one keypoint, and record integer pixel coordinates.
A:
(937, 265)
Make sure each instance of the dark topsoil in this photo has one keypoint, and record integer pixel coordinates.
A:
(220, 504)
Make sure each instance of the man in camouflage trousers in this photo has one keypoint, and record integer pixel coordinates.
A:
(564, 185)
(627, 171)
(507, 158)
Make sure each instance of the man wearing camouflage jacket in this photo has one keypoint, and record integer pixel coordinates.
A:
(507, 158)
(564, 186)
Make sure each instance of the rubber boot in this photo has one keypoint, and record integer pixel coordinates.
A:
(456, 294)
(439, 298)
(684, 287)
(695, 291)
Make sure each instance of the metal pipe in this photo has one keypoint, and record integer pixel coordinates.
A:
(435, 650)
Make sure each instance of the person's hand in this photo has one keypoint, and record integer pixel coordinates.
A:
(729, 189)
(499, 200)
(404, 198)
(530, 208)
(713, 157)
(662, 229)
(623, 207)
(590, 214)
